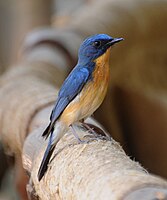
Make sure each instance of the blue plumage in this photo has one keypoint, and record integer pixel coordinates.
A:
(70, 88)
(90, 50)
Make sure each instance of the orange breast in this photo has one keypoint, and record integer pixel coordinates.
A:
(91, 95)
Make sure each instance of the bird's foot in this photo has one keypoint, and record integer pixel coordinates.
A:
(94, 137)
(77, 137)
(98, 134)
(87, 127)
(86, 139)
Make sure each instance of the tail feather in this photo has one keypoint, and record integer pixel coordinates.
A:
(54, 137)
(46, 158)
(50, 128)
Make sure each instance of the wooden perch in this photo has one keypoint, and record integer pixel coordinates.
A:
(97, 170)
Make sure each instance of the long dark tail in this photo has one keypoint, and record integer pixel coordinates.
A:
(46, 158)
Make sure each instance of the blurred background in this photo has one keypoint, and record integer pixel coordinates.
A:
(135, 109)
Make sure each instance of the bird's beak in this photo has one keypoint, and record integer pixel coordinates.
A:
(113, 41)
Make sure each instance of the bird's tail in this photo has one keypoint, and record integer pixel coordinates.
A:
(46, 158)
(54, 137)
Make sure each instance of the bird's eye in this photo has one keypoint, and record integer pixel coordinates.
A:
(97, 43)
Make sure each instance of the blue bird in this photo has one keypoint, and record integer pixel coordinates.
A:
(81, 93)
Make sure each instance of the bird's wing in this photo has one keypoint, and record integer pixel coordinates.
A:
(69, 90)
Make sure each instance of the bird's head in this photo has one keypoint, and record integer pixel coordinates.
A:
(95, 46)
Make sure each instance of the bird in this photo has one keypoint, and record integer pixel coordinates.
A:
(81, 93)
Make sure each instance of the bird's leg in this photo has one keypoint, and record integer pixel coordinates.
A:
(100, 134)
(85, 125)
(76, 135)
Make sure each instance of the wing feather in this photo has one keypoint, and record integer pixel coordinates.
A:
(69, 90)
